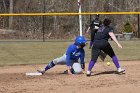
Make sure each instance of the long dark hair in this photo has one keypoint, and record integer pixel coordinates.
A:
(106, 21)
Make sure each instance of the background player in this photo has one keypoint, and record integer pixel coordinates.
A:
(101, 43)
(73, 54)
(93, 28)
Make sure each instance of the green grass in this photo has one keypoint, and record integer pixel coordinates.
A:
(14, 53)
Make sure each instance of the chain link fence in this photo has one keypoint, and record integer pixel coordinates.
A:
(60, 27)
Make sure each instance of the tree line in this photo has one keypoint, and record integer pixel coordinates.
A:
(31, 27)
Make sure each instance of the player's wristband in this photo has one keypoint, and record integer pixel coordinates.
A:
(83, 65)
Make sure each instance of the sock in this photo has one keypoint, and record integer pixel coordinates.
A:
(91, 44)
(50, 65)
(91, 64)
(115, 61)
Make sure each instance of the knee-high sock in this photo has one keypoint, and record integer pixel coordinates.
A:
(91, 43)
(115, 61)
(50, 65)
(91, 64)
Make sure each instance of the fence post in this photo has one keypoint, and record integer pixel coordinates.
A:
(43, 23)
(11, 17)
(138, 26)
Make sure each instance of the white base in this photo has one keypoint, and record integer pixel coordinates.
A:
(33, 74)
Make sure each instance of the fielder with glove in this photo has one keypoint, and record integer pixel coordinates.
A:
(101, 44)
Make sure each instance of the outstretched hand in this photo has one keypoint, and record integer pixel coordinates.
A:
(120, 46)
(84, 72)
(69, 72)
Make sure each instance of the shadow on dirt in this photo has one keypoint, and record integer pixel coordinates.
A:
(108, 72)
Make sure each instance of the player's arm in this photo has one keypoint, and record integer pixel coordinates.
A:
(82, 62)
(87, 30)
(93, 33)
(68, 63)
(112, 35)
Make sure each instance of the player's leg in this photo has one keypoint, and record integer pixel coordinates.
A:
(92, 33)
(53, 63)
(56, 61)
(108, 50)
(95, 53)
(91, 38)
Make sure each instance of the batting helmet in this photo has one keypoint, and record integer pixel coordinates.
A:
(79, 40)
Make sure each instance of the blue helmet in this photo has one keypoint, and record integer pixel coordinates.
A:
(79, 40)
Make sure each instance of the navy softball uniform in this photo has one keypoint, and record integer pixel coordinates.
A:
(101, 42)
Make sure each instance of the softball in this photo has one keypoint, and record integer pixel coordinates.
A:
(108, 63)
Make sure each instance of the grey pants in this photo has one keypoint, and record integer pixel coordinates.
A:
(62, 60)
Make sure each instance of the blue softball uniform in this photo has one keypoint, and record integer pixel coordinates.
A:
(74, 54)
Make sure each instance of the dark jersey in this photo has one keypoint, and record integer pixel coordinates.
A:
(103, 33)
(95, 24)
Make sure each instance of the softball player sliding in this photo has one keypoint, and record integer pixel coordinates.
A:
(73, 54)
(101, 43)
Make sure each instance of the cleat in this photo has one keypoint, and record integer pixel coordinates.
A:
(88, 73)
(120, 70)
(65, 72)
(41, 71)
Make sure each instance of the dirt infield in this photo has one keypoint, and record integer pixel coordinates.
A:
(103, 80)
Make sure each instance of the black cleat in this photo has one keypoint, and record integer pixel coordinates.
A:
(41, 71)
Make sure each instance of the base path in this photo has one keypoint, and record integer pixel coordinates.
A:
(102, 80)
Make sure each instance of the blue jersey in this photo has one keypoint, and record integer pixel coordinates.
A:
(74, 54)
